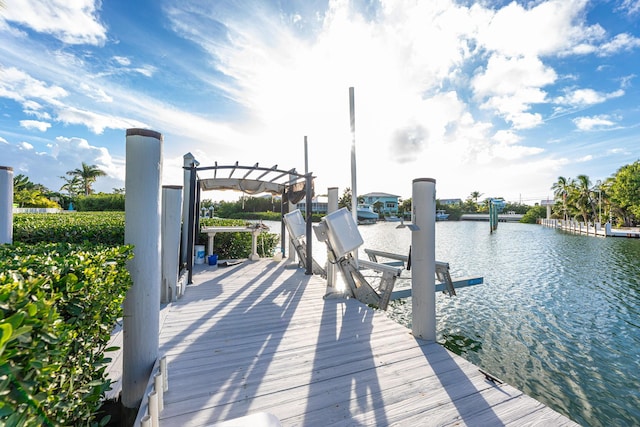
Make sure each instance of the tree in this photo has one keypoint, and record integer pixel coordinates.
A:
(73, 186)
(475, 195)
(624, 193)
(561, 191)
(88, 175)
(582, 197)
(345, 200)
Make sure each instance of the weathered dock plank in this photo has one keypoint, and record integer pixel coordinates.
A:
(259, 337)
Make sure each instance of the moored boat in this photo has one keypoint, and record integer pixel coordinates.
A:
(441, 215)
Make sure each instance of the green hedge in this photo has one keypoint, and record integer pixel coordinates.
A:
(100, 202)
(70, 227)
(108, 228)
(58, 305)
(237, 245)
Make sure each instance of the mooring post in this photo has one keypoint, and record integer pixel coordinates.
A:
(6, 205)
(423, 259)
(332, 206)
(170, 235)
(142, 229)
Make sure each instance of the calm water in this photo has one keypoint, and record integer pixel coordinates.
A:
(558, 315)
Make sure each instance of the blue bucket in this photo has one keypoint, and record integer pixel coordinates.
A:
(212, 259)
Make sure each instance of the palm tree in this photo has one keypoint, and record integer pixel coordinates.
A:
(73, 185)
(88, 175)
(561, 191)
(583, 200)
(475, 195)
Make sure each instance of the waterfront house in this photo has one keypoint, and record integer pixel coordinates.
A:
(384, 203)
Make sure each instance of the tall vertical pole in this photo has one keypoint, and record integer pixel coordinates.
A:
(188, 162)
(354, 187)
(332, 206)
(6, 204)
(309, 232)
(309, 209)
(170, 235)
(306, 156)
(142, 230)
(423, 259)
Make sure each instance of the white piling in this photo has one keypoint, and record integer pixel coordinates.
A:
(6, 205)
(423, 259)
(146, 421)
(142, 229)
(171, 223)
(159, 388)
(332, 206)
(165, 373)
(154, 412)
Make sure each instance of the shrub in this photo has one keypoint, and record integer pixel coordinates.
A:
(237, 245)
(70, 227)
(100, 202)
(58, 305)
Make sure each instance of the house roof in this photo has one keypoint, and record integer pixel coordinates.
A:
(380, 195)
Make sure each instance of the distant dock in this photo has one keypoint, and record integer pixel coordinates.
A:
(485, 217)
(595, 229)
(257, 341)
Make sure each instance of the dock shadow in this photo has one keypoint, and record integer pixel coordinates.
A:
(344, 384)
(472, 407)
(257, 300)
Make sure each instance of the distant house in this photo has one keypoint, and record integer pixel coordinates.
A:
(319, 204)
(383, 203)
(450, 202)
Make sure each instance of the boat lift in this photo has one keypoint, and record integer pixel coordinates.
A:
(296, 226)
(340, 233)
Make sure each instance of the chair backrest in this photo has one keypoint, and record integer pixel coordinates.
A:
(296, 226)
(342, 232)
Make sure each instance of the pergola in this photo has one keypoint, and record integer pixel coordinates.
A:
(290, 185)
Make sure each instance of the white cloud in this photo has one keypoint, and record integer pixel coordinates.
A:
(74, 22)
(19, 86)
(3, 141)
(586, 97)
(585, 159)
(630, 6)
(25, 146)
(35, 124)
(96, 122)
(511, 85)
(96, 93)
(619, 43)
(122, 60)
(546, 28)
(593, 123)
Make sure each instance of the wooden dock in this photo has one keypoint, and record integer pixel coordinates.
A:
(259, 338)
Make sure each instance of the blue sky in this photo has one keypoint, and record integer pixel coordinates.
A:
(493, 96)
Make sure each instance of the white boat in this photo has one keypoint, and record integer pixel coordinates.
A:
(366, 213)
(392, 218)
(441, 215)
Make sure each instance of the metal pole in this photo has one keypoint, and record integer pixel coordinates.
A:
(142, 230)
(332, 206)
(309, 231)
(6, 205)
(171, 210)
(354, 189)
(188, 162)
(423, 259)
(306, 157)
(190, 221)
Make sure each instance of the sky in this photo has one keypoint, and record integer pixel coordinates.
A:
(496, 97)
